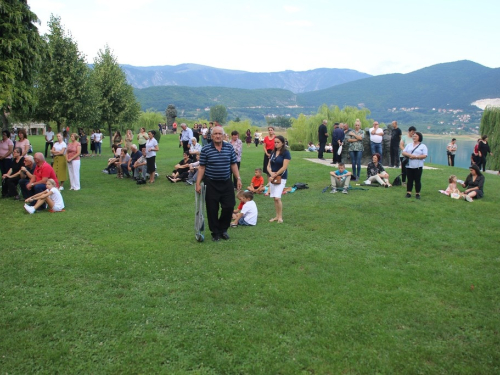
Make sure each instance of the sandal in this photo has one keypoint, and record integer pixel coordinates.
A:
(273, 219)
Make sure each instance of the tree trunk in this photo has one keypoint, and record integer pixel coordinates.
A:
(110, 136)
(5, 122)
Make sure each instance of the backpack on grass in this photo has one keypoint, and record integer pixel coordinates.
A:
(300, 185)
(397, 181)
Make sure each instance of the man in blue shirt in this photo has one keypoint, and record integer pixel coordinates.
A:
(217, 162)
(186, 135)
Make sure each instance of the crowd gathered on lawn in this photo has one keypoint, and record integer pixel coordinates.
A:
(213, 157)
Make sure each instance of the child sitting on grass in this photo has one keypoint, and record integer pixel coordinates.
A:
(249, 212)
(452, 186)
(52, 196)
(340, 179)
(257, 185)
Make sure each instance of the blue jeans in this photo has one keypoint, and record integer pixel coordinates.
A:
(376, 147)
(98, 148)
(356, 162)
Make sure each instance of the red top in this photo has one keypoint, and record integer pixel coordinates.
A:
(269, 143)
(45, 171)
(257, 181)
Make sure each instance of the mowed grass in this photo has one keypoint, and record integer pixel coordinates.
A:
(368, 282)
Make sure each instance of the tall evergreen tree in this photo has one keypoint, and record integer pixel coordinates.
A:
(20, 55)
(117, 103)
(66, 93)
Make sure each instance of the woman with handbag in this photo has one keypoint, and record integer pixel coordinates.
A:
(278, 173)
(416, 153)
(60, 166)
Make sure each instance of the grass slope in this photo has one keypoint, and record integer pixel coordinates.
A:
(368, 282)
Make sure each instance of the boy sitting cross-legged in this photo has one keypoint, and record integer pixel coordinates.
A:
(340, 179)
(257, 185)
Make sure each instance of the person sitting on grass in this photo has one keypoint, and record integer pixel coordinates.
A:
(257, 185)
(375, 172)
(473, 184)
(122, 163)
(52, 196)
(135, 154)
(452, 185)
(340, 179)
(193, 171)
(311, 147)
(140, 167)
(248, 214)
(117, 150)
(181, 170)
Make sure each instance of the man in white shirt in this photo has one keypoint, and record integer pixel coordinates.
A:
(376, 137)
(49, 140)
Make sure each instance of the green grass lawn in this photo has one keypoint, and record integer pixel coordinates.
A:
(368, 282)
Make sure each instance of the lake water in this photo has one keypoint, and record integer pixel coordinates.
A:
(437, 151)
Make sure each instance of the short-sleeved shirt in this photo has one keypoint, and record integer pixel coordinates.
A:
(238, 148)
(59, 146)
(49, 136)
(45, 171)
(420, 150)
(338, 173)
(377, 137)
(151, 143)
(218, 163)
(322, 130)
(4, 147)
(16, 167)
(257, 181)
(373, 170)
(57, 198)
(277, 162)
(452, 148)
(396, 137)
(269, 143)
(72, 150)
(358, 145)
(250, 212)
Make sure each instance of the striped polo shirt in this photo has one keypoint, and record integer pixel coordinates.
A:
(218, 163)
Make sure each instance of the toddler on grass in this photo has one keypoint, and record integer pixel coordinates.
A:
(248, 214)
(452, 186)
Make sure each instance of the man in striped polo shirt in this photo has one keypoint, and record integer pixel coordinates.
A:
(217, 161)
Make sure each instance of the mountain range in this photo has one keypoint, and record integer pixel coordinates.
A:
(193, 75)
(414, 96)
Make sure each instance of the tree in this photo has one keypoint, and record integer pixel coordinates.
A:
(66, 93)
(490, 126)
(20, 57)
(117, 103)
(218, 113)
(279, 121)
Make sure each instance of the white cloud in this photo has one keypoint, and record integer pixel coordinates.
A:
(299, 23)
(291, 9)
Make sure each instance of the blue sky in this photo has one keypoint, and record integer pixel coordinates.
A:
(375, 37)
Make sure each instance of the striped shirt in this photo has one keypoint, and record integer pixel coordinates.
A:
(218, 163)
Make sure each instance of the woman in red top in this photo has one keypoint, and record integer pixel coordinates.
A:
(268, 148)
(73, 159)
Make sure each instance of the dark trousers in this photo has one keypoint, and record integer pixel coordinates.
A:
(48, 146)
(403, 170)
(219, 193)
(395, 156)
(451, 160)
(185, 146)
(124, 168)
(235, 180)
(336, 158)
(414, 176)
(321, 149)
(12, 186)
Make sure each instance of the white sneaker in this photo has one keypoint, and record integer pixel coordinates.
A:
(61, 188)
(334, 190)
(29, 209)
(468, 199)
(367, 182)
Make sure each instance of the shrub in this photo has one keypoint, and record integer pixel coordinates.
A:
(297, 147)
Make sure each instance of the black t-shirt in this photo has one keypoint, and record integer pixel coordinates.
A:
(396, 137)
(16, 167)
